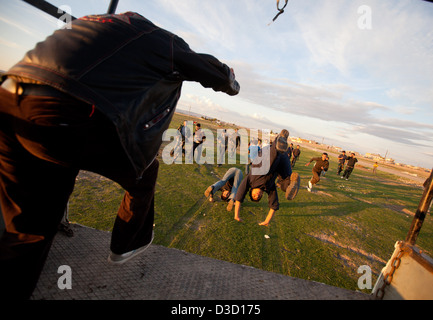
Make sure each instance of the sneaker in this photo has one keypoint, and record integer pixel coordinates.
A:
(208, 192)
(310, 186)
(293, 187)
(66, 229)
(122, 258)
(230, 205)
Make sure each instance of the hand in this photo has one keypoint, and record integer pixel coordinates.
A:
(233, 83)
(232, 73)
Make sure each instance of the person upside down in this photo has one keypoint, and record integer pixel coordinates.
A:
(257, 184)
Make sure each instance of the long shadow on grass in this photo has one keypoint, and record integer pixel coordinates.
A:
(315, 209)
(184, 222)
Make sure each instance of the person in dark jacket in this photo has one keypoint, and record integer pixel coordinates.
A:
(341, 160)
(97, 97)
(351, 161)
(257, 184)
(296, 153)
(322, 164)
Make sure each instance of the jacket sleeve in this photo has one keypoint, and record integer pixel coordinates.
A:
(326, 166)
(273, 199)
(203, 68)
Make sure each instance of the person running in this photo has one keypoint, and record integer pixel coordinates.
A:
(322, 164)
(296, 153)
(341, 160)
(228, 185)
(349, 166)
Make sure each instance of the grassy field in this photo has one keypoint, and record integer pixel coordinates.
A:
(323, 236)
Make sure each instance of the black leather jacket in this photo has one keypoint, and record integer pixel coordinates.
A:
(129, 69)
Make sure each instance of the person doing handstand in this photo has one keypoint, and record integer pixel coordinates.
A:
(256, 185)
(228, 185)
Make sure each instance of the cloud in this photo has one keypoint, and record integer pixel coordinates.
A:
(330, 103)
(10, 44)
(325, 103)
(395, 134)
(429, 154)
(17, 26)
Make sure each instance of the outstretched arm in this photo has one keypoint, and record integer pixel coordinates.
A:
(204, 68)
(268, 217)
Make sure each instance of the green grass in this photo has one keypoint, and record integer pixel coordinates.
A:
(322, 236)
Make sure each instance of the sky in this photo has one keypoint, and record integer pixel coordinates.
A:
(353, 74)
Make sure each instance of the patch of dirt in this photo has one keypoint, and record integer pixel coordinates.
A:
(331, 240)
(346, 260)
(398, 208)
(324, 193)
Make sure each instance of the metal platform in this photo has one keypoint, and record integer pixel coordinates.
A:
(165, 274)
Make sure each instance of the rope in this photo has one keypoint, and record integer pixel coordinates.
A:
(280, 11)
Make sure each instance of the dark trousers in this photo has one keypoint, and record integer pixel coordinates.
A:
(44, 142)
(347, 172)
(295, 158)
(340, 168)
(316, 177)
(284, 171)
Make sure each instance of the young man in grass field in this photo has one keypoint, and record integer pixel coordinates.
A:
(341, 160)
(295, 153)
(351, 161)
(256, 185)
(322, 164)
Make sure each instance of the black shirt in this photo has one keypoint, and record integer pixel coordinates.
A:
(351, 161)
(265, 182)
(319, 164)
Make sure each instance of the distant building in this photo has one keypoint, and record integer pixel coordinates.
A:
(378, 157)
(389, 160)
(373, 156)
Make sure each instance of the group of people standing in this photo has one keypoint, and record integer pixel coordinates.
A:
(198, 137)
(227, 142)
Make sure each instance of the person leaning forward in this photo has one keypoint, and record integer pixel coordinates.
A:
(322, 164)
(101, 104)
(257, 184)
